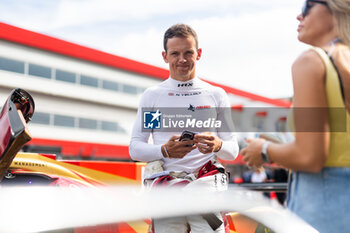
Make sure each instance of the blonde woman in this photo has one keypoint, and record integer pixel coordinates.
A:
(319, 190)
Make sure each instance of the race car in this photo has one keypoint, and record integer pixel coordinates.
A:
(43, 169)
(34, 169)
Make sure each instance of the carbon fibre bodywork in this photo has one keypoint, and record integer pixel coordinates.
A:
(17, 111)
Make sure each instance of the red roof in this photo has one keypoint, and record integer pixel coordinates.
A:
(55, 45)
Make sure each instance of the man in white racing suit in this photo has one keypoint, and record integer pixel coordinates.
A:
(193, 161)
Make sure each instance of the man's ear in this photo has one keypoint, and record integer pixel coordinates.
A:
(164, 57)
(199, 54)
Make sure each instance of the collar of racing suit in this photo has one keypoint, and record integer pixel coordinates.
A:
(191, 84)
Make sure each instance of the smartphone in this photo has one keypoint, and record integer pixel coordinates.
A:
(186, 136)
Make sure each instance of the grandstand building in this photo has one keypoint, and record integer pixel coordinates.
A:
(85, 100)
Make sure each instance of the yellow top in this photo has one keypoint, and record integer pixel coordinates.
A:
(339, 119)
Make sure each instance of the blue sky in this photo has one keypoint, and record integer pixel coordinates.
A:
(247, 44)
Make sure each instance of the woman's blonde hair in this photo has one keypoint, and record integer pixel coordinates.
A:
(341, 12)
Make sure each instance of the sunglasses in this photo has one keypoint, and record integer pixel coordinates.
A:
(307, 6)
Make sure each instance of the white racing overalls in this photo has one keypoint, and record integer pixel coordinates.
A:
(211, 177)
(193, 97)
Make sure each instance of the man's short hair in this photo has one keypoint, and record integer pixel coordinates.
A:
(179, 30)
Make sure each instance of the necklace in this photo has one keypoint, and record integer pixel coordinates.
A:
(332, 43)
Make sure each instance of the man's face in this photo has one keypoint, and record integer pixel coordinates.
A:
(182, 55)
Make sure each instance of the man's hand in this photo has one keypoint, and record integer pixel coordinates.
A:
(207, 142)
(178, 149)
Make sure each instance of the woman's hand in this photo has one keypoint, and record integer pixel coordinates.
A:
(252, 153)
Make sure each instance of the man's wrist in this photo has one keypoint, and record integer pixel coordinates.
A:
(165, 151)
(219, 147)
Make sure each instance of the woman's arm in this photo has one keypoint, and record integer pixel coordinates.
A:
(309, 151)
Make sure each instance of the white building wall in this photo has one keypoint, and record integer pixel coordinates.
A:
(75, 100)
(59, 88)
